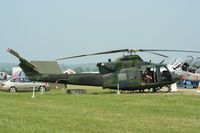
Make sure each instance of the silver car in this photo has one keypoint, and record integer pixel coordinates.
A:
(22, 84)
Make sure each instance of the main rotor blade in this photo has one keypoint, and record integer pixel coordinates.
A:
(158, 54)
(106, 52)
(169, 50)
(131, 51)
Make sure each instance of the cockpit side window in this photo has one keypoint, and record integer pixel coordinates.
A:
(165, 73)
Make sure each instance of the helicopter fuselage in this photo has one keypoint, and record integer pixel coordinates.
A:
(126, 73)
(131, 78)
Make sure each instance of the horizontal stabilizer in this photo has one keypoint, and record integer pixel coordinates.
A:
(47, 67)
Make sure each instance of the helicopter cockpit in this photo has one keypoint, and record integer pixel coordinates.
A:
(188, 61)
(195, 66)
(191, 65)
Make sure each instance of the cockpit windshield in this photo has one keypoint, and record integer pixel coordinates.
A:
(187, 63)
(195, 67)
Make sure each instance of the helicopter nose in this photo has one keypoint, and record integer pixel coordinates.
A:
(175, 77)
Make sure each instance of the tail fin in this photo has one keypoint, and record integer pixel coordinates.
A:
(37, 70)
(29, 69)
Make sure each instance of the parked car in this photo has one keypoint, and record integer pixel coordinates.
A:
(22, 84)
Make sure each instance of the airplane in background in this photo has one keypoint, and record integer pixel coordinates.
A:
(189, 69)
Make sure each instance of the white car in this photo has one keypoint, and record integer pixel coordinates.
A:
(22, 84)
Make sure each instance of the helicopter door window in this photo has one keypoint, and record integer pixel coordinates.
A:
(122, 76)
(132, 75)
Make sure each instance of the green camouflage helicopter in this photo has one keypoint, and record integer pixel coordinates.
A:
(128, 72)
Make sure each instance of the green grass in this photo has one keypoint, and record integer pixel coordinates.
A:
(99, 111)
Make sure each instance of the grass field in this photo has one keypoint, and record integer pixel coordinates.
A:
(100, 111)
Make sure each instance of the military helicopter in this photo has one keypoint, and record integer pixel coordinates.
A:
(128, 72)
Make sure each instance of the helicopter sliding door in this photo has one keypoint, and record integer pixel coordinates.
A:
(129, 78)
(126, 79)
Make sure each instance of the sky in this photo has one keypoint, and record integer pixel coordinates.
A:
(51, 29)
